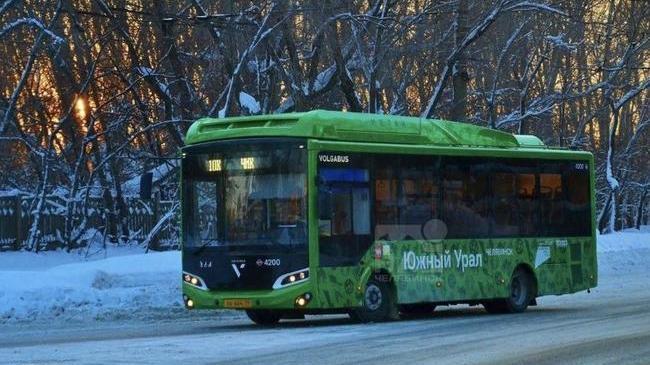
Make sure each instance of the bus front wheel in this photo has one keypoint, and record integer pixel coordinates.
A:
(378, 303)
(263, 317)
(521, 293)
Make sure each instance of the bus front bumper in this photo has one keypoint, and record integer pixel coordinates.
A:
(298, 296)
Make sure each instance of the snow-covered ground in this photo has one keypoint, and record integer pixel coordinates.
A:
(629, 239)
(123, 283)
(120, 283)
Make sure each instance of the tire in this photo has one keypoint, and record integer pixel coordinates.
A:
(263, 317)
(496, 306)
(416, 309)
(354, 316)
(522, 291)
(378, 303)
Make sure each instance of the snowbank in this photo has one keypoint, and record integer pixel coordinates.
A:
(630, 239)
(129, 285)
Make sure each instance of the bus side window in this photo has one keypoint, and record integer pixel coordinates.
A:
(343, 215)
(347, 212)
(324, 214)
(506, 212)
(386, 205)
(551, 202)
(527, 204)
(406, 197)
(578, 205)
(418, 196)
(361, 211)
(465, 198)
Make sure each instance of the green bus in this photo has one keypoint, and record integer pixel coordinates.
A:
(379, 216)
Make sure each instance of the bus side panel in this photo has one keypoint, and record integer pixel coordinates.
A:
(454, 270)
(590, 264)
(553, 279)
(337, 287)
(591, 249)
(459, 270)
(577, 270)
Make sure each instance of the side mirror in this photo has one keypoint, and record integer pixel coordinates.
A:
(146, 182)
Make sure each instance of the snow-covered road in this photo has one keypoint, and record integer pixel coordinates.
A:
(585, 329)
(610, 325)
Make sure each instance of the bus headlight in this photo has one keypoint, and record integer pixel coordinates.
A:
(291, 278)
(194, 281)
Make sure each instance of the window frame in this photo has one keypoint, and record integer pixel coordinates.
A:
(398, 163)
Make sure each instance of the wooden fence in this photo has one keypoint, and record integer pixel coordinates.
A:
(16, 220)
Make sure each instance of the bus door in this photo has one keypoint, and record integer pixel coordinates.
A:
(343, 215)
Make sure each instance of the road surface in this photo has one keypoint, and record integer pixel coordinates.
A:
(609, 326)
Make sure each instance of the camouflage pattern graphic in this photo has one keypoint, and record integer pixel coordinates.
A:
(338, 287)
(437, 271)
(463, 270)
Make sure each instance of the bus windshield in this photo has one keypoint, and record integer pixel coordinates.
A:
(245, 195)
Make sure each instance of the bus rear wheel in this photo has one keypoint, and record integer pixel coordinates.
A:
(263, 317)
(378, 303)
(521, 293)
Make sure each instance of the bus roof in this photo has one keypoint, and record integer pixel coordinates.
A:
(357, 127)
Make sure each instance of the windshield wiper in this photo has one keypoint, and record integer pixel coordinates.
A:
(204, 245)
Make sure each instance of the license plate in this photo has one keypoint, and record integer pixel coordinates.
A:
(237, 303)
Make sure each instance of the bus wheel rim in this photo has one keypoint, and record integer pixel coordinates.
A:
(373, 297)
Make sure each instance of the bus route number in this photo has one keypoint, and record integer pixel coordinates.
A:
(581, 166)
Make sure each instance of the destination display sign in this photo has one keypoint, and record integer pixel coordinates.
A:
(217, 164)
